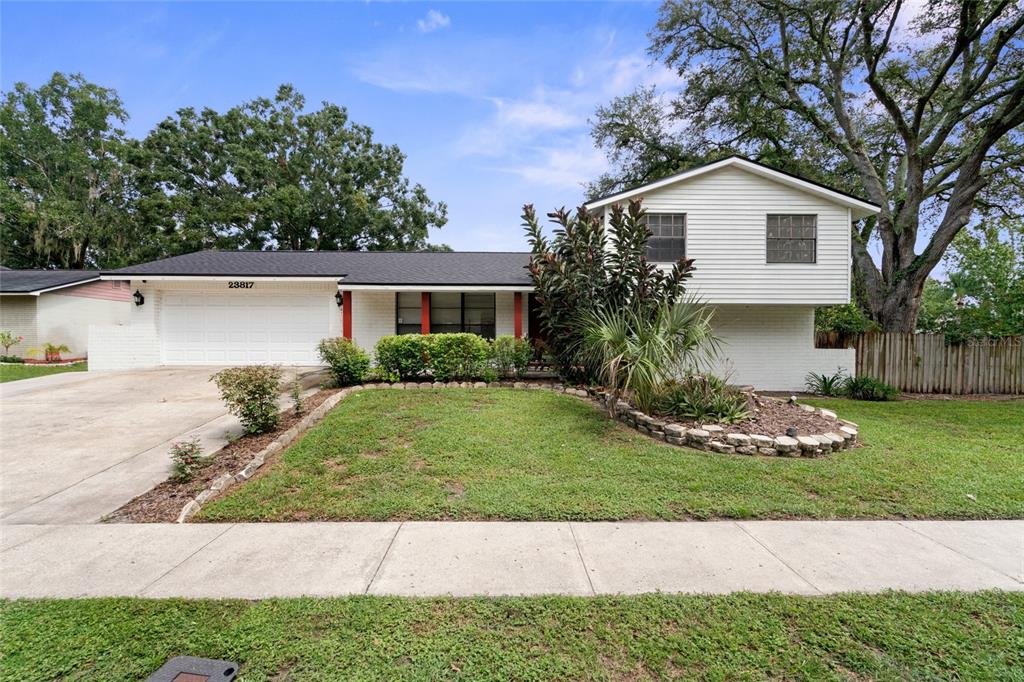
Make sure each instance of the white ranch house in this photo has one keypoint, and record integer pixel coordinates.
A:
(768, 247)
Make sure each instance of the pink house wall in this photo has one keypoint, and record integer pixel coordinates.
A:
(105, 291)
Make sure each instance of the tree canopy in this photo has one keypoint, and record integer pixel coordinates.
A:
(266, 174)
(921, 116)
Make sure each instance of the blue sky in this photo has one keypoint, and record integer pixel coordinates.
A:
(489, 101)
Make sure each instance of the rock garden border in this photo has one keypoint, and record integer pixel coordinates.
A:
(709, 437)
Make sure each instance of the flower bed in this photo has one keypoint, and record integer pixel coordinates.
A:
(775, 428)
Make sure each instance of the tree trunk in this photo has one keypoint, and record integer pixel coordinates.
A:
(900, 305)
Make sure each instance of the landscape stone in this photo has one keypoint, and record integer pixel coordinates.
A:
(698, 435)
(761, 441)
(718, 446)
(746, 450)
(676, 440)
(786, 444)
(827, 413)
(737, 440)
(713, 429)
(675, 430)
(769, 452)
(807, 443)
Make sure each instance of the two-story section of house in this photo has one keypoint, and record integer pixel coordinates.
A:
(768, 247)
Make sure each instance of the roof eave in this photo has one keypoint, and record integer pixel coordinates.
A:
(859, 208)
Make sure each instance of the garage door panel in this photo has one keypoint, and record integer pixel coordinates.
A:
(244, 329)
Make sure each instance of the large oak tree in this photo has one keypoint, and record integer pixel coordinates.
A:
(267, 174)
(920, 115)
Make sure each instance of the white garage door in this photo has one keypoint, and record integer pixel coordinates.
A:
(248, 328)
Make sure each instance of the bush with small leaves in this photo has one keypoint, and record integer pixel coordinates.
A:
(403, 356)
(511, 355)
(457, 356)
(251, 394)
(348, 363)
(188, 459)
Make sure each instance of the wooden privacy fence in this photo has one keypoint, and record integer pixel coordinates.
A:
(923, 363)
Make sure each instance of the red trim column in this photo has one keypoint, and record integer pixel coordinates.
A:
(517, 314)
(346, 314)
(425, 312)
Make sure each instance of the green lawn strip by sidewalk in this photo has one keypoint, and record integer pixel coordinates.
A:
(887, 637)
(536, 455)
(17, 372)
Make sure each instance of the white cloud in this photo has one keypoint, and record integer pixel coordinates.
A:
(567, 165)
(433, 21)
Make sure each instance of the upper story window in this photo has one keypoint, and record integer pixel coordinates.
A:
(792, 238)
(667, 243)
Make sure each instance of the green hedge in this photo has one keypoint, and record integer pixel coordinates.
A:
(447, 357)
(348, 362)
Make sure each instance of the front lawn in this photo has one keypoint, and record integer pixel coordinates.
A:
(889, 636)
(16, 372)
(536, 455)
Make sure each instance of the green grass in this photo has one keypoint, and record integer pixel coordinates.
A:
(536, 455)
(18, 372)
(886, 637)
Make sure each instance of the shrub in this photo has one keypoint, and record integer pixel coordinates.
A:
(635, 351)
(51, 351)
(188, 458)
(403, 356)
(347, 362)
(585, 268)
(869, 388)
(11, 358)
(457, 356)
(826, 384)
(251, 394)
(295, 391)
(8, 339)
(702, 398)
(511, 355)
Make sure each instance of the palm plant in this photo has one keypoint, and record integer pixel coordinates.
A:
(634, 352)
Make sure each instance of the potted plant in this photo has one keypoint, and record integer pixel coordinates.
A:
(51, 351)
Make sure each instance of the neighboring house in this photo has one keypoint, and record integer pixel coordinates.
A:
(57, 306)
(768, 247)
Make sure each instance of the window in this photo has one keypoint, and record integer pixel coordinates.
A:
(450, 312)
(792, 238)
(408, 309)
(667, 243)
(478, 314)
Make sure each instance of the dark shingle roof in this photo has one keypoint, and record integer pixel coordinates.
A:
(28, 281)
(357, 267)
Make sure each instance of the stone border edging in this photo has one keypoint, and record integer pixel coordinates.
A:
(708, 437)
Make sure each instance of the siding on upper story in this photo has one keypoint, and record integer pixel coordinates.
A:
(726, 221)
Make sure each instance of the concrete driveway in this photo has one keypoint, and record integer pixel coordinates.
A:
(76, 446)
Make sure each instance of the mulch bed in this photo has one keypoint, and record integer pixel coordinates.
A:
(163, 503)
(771, 417)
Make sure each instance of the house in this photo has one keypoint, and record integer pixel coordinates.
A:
(769, 247)
(57, 306)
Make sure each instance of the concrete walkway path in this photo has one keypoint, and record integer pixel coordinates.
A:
(458, 558)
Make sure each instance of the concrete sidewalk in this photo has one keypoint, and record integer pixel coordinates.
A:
(459, 558)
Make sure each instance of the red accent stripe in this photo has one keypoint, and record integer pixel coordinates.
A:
(425, 312)
(346, 314)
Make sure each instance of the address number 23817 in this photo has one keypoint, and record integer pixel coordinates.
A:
(240, 285)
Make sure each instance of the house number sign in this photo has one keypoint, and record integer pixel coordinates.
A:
(240, 285)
